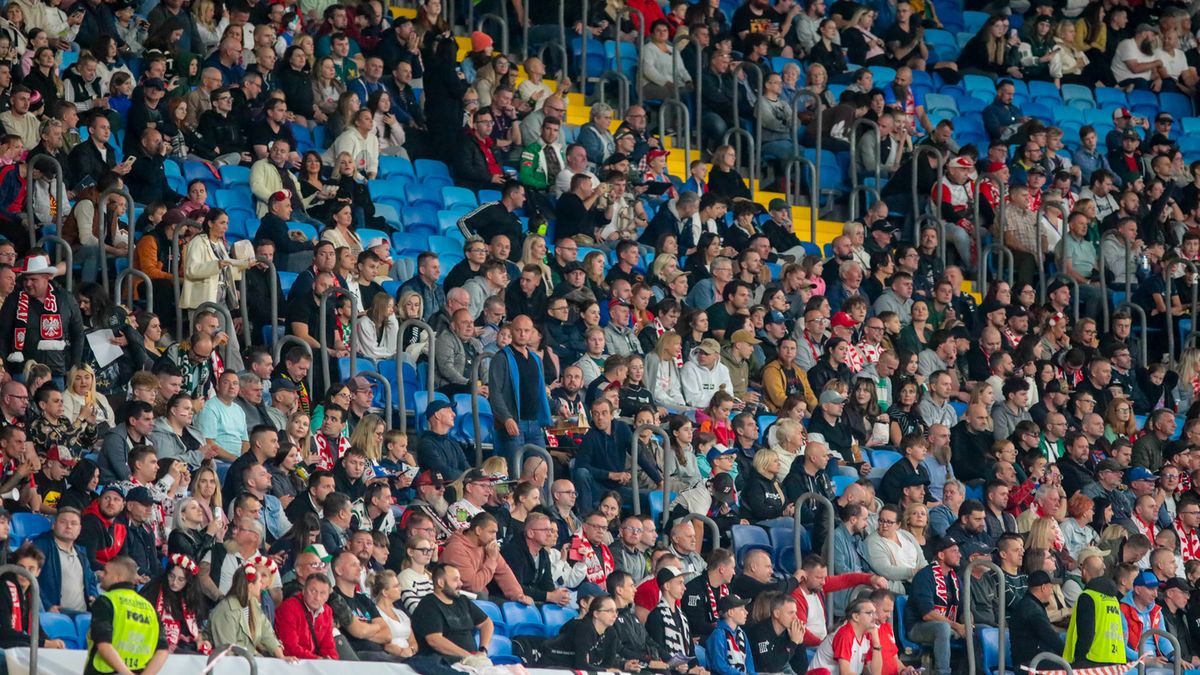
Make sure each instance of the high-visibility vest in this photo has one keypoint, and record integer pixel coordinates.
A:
(1108, 645)
(135, 631)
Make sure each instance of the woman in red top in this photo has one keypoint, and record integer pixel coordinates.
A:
(714, 419)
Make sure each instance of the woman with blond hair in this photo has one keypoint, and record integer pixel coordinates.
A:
(1045, 533)
(82, 403)
(413, 340)
(915, 521)
(378, 329)
(1187, 391)
(763, 499)
(368, 436)
(206, 488)
(790, 440)
(663, 371)
(533, 252)
(1119, 420)
(204, 17)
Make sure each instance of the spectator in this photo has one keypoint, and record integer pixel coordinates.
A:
(445, 620)
(255, 632)
(477, 555)
(67, 582)
(304, 622)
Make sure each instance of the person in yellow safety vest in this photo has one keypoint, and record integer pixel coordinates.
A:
(125, 637)
(1095, 636)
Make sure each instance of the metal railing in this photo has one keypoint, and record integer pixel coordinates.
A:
(969, 616)
(745, 68)
(243, 307)
(131, 272)
(562, 51)
(918, 153)
(622, 12)
(684, 116)
(227, 325)
(1190, 268)
(699, 99)
(814, 197)
(323, 328)
(818, 119)
(277, 348)
(273, 275)
(402, 402)
(1137, 310)
(855, 187)
(387, 392)
(220, 652)
(676, 59)
(519, 461)
(1039, 252)
(633, 471)
(622, 90)
(59, 188)
(798, 531)
(60, 243)
(474, 402)
(105, 198)
(502, 20)
(1051, 657)
(1162, 634)
(35, 622)
(997, 242)
(708, 522)
(177, 282)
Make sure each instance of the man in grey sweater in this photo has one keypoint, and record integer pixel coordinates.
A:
(457, 348)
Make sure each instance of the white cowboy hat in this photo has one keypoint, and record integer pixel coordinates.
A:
(38, 264)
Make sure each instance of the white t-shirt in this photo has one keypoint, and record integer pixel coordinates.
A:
(842, 644)
(1128, 50)
(816, 615)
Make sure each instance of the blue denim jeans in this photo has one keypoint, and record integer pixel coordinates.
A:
(938, 634)
(528, 432)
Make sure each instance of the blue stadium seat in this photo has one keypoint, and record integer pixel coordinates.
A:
(500, 651)
(990, 638)
(26, 526)
(747, 536)
(422, 218)
(83, 625)
(494, 613)
(392, 287)
(1176, 104)
(235, 174)
(978, 83)
(308, 230)
(432, 170)
(464, 426)
(367, 234)
(884, 459)
(941, 102)
(389, 213)
(423, 195)
(1107, 97)
(445, 246)
(454, 197)
(286, 279)
(973, 21)
(1042, 91)
(388, 191)
(409, 244)
(396, 166)
(448, 221)
(523, 620)
(60, 627)
(1142, 97)
(840, 483)
(900, 630)
(556, 616)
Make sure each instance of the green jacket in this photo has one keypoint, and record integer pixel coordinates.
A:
(228, 624)
(532, 172)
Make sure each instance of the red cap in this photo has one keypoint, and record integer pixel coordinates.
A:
(657, 152)
(1122, 112)
(61, 455)
(962, 162)
(842, 320)
(993, 167)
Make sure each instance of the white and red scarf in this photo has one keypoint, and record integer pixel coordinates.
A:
(854, 358)
(16, 606)
(870, 353)
(1189, 541)
(173, 628)
(941, 591)
(712, 597)
(51, 327)
(1145, 528)
(599, 563)
(326, 458)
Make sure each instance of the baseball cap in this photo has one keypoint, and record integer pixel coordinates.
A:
(657, 152)
(111, 487)
(436, 407)
(1089, 552)
(1056, 386)
(476, 476)
(729, 602)
(1130, 135)
(993, 166)
(722, 488)
(744, 335)
(1139, 473)
(1109, 465)
(359, 383)
(622, 132)
(709, 346)
(140, 495)
(429, 477)
(573, 266)
(616, 158)
(841, 320)
(1160, 139)
(992, 305)
(913, 480)
(1179, 584)
(1122, 112)
(884, 225)
(320, 550)
(154, 83)
(1056, 285)
(972, 548)
(1146, 579)
(1038, 578)
(1145, 28)
(591, 591)
(719, 450)
(774, 316)
(778, 205)
(831, 396)
(666, 574)
(283, 384)
(377, 241)
(617, 302)
(945, 543)
(1164, 117)
(675, 274)
(62, 455)
(281, 196)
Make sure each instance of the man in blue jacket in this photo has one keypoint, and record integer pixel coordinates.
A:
(67, 583)
(517, 391)
(600, 462)
(727, 648)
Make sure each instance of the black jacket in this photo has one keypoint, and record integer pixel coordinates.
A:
(1032, 631)
(471, 165)
(85, 162)
(297, 90)
(761, 499)
(147, 181)
(970, 450)
(139, 545)
(535, 576)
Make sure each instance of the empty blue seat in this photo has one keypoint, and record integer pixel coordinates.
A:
(26, 526)
(408, 243)
(234, 174)
(493, 611)
(1176, 104)
(396, 166)
(286, 279)
(60, 627)
(445, 246)
(940, 102)
(422, 218)
(746, 536)
(884, 459)
(1042, 91)
(418, 194)
(556, 616)
(389, 213)
(840, 483)
(978, 83)
(523, 620)
(456, 197)
(431, 168)
(388, 191)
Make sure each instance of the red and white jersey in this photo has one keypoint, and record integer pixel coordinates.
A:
(841, 644)
(954, 195)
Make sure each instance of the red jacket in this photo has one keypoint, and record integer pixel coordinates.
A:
(296, 634)
(833, 584)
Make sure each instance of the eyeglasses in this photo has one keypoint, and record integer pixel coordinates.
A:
(888, 522)
(424, 549)
(635, 530)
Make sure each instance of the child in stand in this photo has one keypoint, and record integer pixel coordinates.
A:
(697, 174)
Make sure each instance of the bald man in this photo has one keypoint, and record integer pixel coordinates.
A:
(516, 368)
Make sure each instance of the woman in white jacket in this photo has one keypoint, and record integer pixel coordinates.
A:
(209, 274)
(663, 371)
(378, 329)
(361, 142)
(893, 552)
(661, 64)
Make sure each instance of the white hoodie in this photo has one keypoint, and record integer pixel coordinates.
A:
(700, 383)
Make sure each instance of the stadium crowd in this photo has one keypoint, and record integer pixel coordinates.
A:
(339, 174)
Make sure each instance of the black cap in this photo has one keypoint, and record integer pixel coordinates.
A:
(945, 543)
(913, 480)
(112, 487)
(991, 305)
(140, 495)
(615, 158)
(1016, 310)
(667, 574)
(729, 602)
(573, 266)
(1109, 465)
(883, 225)
(1038, 578)
(1056, 386)
(1180, 584)
(154, 83)
(1160, 139)
(975, 548)
(436, 407)
(722, 488)
(1055, 286)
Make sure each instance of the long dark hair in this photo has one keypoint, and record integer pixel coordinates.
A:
(99, 301)
(190, 598)
(81, 475)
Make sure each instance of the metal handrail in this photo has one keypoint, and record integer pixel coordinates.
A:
(59, 242)
(1040, 252)
(978, 221)
(274, 283)
(756, 148)
(105, 197)
(819, 113)
(583, 42)
(474, 385)
(323, 328)
(1052, 657)
(1141, 313)
(992, 249)
(131, 272)
(813, 187)
(243, 307)
(633, 471)
(387, 392)
(177, 282)
(676, 104)
(227, 324)
(293, 340)
(59, 186)
(519, 461)
(641, 26)
(1158, 632)
(698, 81)
(917, 153)
(402, 403)
(622, 92)
(708, 522)
(1188, 265)
(503, 21)
(855, 188)
(676, 59)
(752, 174)
(969, 616)
(218, 653)
(566, 57)
(35, 622)
(798, 530)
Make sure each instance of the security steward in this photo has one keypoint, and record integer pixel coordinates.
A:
(125, 636)
(1096, 636)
